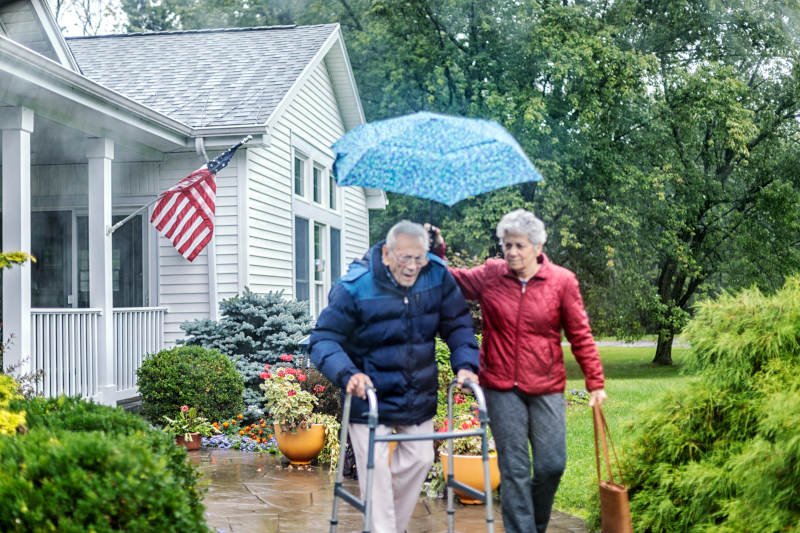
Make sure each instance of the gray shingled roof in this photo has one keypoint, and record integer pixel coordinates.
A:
(231, 77)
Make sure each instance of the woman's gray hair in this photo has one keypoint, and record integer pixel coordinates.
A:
(406, 227)
(524, 222)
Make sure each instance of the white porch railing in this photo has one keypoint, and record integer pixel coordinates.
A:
(138, 331)
(64, 345)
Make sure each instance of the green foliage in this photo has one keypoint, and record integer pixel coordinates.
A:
(59, 428)
(9, 421)
(188, 422)
(9, 259)
(74, 482)
(254, 331)
(193, 376)
(722, 452)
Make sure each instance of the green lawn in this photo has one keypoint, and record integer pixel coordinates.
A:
(631, 382)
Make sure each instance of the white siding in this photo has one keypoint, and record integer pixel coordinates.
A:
(356, 231)
(270, 216)
(183, 286)
(313, 116)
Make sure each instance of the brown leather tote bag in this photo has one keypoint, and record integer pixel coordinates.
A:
(614, 505)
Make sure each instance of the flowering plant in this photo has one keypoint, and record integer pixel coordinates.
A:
(244, 443)
(188, 422)
(288, 404)
(464, 445)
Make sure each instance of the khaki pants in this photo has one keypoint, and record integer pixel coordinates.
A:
(411, 462)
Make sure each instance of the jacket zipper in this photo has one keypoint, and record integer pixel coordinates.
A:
(516, 337)
(408, 345)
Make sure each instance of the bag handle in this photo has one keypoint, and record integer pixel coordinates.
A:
(601, 434)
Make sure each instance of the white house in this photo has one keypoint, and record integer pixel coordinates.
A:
(94, 128)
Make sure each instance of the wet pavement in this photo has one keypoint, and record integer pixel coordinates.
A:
(259, 493)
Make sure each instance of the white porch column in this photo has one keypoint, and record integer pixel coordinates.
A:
(100, 153)
(17, 126)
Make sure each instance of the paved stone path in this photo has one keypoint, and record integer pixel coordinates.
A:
(259, 493)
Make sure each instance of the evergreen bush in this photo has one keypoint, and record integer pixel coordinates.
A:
(255, 330)
(193, 376)
(74, 482)
(722, 454)
(73, 414)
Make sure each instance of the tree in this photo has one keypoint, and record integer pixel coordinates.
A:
(713, 152)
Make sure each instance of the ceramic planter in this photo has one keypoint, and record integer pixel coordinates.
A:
(193, 444)
(301, 447)
(468, 469)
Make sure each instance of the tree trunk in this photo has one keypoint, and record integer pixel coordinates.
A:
(664, 348)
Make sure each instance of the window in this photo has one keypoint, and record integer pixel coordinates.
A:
(299, 177)
(336, 255)
(127, 262)
(301, 260)
(319, 270)
(333, 192)
(317, 185)
(51, 245)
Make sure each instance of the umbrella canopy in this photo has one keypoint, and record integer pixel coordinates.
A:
(438, 157)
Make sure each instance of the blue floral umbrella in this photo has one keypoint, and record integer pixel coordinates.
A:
(437, 157)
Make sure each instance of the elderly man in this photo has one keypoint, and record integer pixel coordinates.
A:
(379, 329)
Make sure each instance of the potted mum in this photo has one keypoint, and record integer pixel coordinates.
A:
(188, 427)
(467, 457)
(300, 433)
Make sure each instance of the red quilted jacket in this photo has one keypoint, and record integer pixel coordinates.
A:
(522, 328)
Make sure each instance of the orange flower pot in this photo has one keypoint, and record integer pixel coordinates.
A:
(301, 447)
(193, 444)
(468, 469)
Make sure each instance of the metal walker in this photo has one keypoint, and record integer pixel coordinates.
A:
(365, 506)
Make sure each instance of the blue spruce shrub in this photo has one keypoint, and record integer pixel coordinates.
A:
(255, 329)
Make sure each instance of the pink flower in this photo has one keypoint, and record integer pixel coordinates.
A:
(301, 377)
(319, 389)
(286, 357)
(281, 373)
(263, 375)
(457, 398)
(184, 408)
(266, 367)
(291, 393)
(465, 425)
(290, 371)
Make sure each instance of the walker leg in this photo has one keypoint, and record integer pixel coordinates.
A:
(487, 482)
(340, 469)
(370, 472)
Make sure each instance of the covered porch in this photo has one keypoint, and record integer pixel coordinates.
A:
(77, 158)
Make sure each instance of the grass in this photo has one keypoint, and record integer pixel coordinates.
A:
(631, 382)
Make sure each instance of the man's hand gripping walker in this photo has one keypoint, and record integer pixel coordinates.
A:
(365, 506)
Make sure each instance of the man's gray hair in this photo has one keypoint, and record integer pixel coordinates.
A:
(406, 227)
(524, 222)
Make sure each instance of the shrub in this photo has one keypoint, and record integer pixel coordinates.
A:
(75, 482)
(9, 421)
(193, 376)
(723, 453)
(328, 394)
(255, 329)
(76, 415)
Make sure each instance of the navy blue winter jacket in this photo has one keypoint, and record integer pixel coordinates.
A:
(374, 326)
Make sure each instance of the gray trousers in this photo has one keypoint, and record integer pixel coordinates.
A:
(517, 419)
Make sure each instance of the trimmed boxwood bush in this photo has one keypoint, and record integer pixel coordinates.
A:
(193, 376)
(77, 415)
(74, 482)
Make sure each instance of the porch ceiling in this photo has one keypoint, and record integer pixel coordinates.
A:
(68, 99)
(55, 144)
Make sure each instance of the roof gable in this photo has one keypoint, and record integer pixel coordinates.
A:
(31, 24)
(205, 78)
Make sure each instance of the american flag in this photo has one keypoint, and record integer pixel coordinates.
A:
(185, 213)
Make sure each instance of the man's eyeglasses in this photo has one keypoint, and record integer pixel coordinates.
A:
(406, 259)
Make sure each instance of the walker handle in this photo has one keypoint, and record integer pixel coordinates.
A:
(483, 413)
(372, 399)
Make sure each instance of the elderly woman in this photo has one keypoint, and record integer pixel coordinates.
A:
(526, 302)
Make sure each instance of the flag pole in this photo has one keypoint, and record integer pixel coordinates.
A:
(115, 227)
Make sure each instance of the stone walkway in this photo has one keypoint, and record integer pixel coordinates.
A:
(259, 493)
